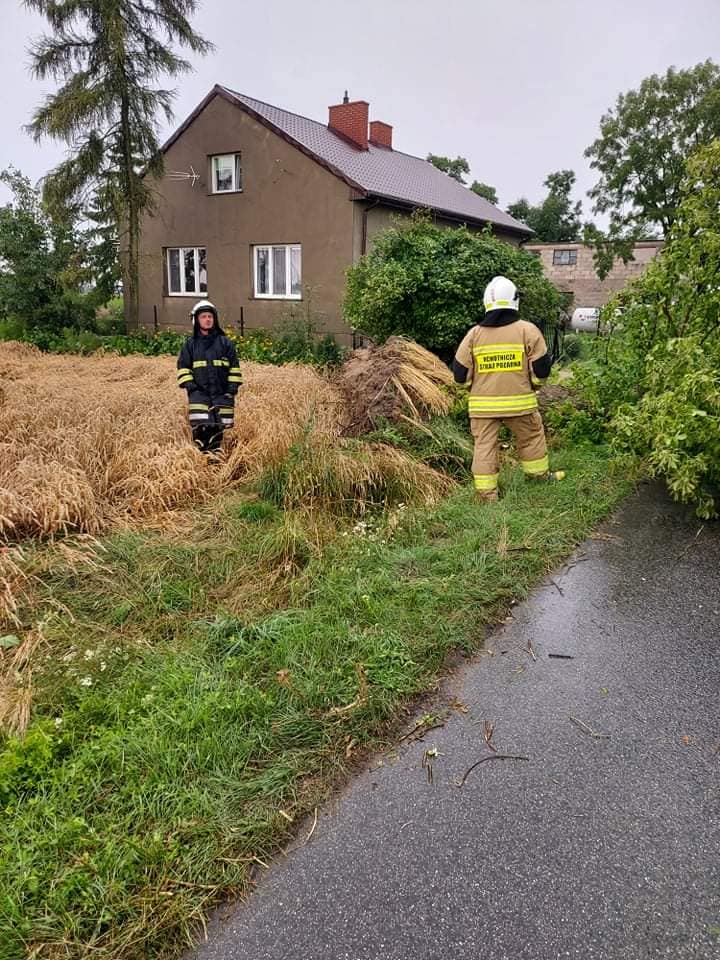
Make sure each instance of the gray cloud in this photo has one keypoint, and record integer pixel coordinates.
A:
(518, 87)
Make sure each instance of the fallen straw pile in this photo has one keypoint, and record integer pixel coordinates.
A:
(396, 379)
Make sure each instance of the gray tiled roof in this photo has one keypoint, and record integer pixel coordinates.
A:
(381, 172)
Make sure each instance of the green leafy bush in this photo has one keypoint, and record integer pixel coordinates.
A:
(426, 282)
(295, 344)
(574, 424)
(657, 375)
(676, 423)
(572, 346)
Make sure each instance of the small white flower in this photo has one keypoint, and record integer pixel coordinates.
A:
(88, 655)
(86, 682)
(58, 722)
(103, 665)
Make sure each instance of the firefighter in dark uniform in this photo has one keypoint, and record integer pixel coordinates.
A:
(208, 369)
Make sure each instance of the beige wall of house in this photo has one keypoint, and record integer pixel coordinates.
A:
(286, 198)
(381, 217)
(578, 276)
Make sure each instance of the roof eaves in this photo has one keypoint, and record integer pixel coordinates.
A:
(450, 214)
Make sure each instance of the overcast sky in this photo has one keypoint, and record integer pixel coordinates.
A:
(516, 86)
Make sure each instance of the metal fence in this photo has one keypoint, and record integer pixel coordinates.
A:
(554, 333)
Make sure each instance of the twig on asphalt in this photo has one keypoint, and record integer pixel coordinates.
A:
(589, 730)
(312, 828)
(422, 726)
(530, 649)
(561, 656)
(488, 731)
(557, 587)
(427, 762)
(689, 547)
(493, 756)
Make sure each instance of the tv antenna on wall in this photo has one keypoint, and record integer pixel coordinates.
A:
(178, 175)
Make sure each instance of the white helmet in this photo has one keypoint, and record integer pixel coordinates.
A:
(200, 307)
(501, 294)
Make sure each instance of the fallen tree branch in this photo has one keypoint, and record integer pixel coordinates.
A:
(493, 756)
(689, 547)
(589, 730)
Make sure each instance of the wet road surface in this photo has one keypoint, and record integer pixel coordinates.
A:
(602, 846)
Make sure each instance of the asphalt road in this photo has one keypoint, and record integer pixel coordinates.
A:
(599, 847)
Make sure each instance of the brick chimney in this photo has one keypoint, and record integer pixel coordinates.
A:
(350, 120)
(381, 134)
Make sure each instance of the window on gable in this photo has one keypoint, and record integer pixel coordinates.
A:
(226, 173)
(564, 258)
(186, 271)
(278, 271)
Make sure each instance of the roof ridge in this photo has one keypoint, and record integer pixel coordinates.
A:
(246, 96)
(325, 126)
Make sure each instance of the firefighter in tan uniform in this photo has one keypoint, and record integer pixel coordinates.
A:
(505, 360)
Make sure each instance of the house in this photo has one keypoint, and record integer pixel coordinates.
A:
(262, 211)
(571, 268)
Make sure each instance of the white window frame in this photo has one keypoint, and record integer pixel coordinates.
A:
(197, 292)
(270, 247)
(236, 168)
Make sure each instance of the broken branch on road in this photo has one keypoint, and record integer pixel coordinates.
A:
(493, 756)
(589, 730)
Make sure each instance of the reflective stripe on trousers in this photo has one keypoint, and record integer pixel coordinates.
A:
(529, 435)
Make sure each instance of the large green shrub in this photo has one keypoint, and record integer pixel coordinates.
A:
(658, 374)
(427, 282)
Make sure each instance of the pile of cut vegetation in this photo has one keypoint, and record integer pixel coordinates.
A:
(396, 380)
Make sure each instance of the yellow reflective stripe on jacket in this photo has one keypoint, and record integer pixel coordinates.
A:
(234, 379)
(182, 370)
(485, 481)
(521, 401)
(186, 379)
(198, 406)
(228, 411)
(234, 369)
(199, 363)
(492, 347)
(221, 363)
(536, 466)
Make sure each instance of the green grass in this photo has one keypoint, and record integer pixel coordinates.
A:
(230, 668)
